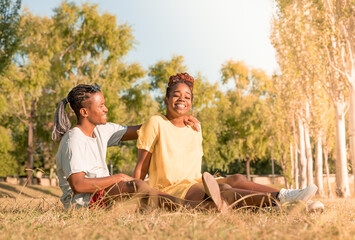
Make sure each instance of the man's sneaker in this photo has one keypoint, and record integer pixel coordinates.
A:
(212, 190)
(315, 206)
(289, 195)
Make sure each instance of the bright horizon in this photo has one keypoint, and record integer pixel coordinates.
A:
(206, 33)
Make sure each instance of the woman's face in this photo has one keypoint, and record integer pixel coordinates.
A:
(97, 110)
(179, 101)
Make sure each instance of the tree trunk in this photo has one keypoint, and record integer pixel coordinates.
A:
(342, 181)
(247, 168)
(292, 165)
(319, 166)
(296, 151)
(303, 160)
(308, 155)
(308, 147)
(352, 119)
(273, 171)
(30, 144)
(296, 172)
(325, 151)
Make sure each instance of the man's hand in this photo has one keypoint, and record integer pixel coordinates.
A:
(122, 177)
(192, 122)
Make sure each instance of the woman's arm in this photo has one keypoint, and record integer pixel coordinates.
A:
(131, 133)
(143, 162)
(80, 184)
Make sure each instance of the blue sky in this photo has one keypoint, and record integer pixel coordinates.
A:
(206, 32)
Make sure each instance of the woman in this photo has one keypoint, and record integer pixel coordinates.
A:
(81, 158)
(173, 154)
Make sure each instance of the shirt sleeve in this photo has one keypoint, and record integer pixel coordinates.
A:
(148, 134)
(113, 133)
(74, 158)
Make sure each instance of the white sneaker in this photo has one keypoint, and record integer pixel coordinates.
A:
(315, 206)
(289, 195)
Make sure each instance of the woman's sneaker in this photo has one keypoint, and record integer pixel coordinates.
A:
(289, 195)
(212, 190)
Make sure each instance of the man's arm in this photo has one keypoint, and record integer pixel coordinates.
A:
(143, 162)
(192, 122)
(80, 184)
(131, 133)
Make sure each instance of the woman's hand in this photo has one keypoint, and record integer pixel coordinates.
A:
(192, 122)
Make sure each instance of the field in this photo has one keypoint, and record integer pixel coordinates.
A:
(34, 212)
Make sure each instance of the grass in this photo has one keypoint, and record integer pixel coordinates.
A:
(36, 213)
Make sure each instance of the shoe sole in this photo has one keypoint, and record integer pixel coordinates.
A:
(212, 189)
(315, 207)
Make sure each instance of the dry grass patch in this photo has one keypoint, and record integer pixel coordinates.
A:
(44, 218)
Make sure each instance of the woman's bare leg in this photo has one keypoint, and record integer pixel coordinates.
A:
(143, 190)
(241, 197)
(232, 195)
(241, 182)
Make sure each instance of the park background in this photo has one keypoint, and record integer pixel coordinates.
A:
(297, 113)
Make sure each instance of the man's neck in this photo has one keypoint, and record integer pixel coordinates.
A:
(87, 128)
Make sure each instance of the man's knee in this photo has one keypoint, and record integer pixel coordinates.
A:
(136, 185)
(224, 186)
(237, 178)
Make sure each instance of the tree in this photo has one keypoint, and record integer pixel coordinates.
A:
(245, 136)
(9, 35)
(8, 164)
(159, 75)
(238, 71)
(340, 16)
(76, 45)
(305, 22)
(24, 79)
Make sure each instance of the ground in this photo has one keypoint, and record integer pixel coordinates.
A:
(35, 212)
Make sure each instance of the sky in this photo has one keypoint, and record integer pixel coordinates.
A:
(206, 32)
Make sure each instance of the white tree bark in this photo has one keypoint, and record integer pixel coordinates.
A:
(308, 155)
(345, 65)
(303, 160)
(308, 148)
(292, 165)
(296, 151)
(296, 169)
(319, 166)
(342, 181)
(325, 151)
(352, 118)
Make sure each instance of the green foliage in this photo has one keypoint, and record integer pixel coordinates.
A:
(76, 45)
(8, 164)
(159, 75)
(9, 36)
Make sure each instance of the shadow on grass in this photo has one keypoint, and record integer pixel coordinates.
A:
(6, 195)
(45, 191)
(13, 189)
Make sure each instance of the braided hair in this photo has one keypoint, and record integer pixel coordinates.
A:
(76, 99)
(180, 78)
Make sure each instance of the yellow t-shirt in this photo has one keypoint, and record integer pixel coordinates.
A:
(175, 164)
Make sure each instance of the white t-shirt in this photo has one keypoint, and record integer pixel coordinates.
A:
(80, 153)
